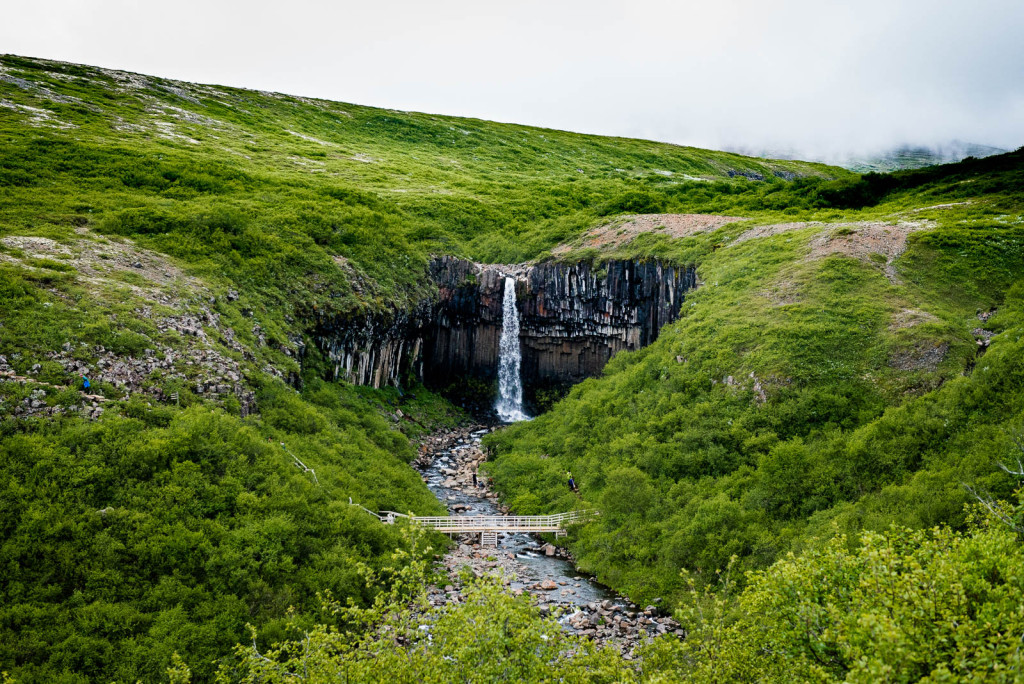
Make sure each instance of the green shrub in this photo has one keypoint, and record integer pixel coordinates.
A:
(905, 606)
(164, 531)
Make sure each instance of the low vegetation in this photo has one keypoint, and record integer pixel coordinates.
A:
(808, 385)
(905, 606)
(825, 379)
(158, 530)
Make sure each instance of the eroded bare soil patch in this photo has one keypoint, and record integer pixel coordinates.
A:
(860, 240)
(670, 225)
(105, 261)
(908, 318)
(924, 356)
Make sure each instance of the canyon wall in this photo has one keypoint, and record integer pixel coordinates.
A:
(574, 317)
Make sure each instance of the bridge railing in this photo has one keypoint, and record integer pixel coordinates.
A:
(477, 523)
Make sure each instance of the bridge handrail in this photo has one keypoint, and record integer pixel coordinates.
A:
(539, 523)
(375, 515)
(555, 521)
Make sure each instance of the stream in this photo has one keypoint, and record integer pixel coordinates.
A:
(584, 606)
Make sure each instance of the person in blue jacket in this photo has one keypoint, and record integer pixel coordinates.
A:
(85, 383)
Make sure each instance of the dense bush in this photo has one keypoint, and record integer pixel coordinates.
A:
(488, 637)
(132, 538)
(905, 606)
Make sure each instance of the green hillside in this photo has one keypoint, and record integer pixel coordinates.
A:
(179, 240)
(824, 377)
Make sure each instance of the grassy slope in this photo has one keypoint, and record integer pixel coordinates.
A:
(298, 203)
(437, 182)
(858, 429)
(266, 193)
(291, 204)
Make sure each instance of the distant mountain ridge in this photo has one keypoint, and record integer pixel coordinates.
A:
(916, 157)
(894, 159)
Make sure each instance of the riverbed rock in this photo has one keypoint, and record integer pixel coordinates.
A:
(606, 621)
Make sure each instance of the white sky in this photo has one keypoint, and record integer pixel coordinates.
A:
(823, 77)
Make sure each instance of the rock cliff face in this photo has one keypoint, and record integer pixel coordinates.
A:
(375, 350)
(574, 317)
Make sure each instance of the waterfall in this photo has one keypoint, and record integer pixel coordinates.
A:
(510, 384)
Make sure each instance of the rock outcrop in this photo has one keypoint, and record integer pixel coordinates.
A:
(376, 349)
(574, 317)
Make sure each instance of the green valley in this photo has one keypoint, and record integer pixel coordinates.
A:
(186, 270)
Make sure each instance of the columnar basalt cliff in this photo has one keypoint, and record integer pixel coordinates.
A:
(376, 349)
(465, 333)
(575, 316)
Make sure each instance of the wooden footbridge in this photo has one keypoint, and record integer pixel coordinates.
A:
(488, 526)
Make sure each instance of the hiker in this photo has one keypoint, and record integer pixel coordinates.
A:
(476, 484)
(85, 383)
(572, 483)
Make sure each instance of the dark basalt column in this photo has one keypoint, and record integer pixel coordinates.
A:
(375, 350)
(463, 337)
(575, 317)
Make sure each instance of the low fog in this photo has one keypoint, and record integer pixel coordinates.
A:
(805, 78)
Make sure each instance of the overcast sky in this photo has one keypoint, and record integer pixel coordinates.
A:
(819, 76)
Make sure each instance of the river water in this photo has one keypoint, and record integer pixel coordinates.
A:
(531, 566)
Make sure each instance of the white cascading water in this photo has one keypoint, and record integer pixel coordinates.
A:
(510, 384)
